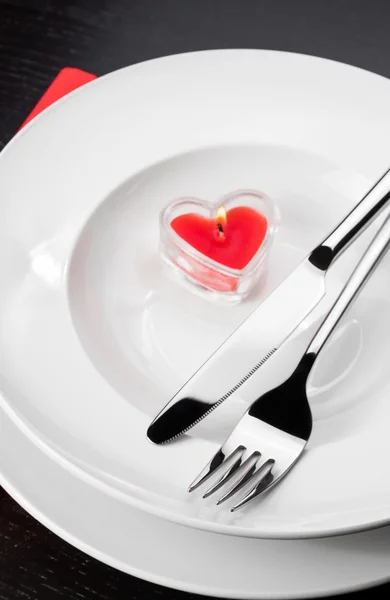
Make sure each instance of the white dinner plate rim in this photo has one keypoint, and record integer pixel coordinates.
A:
(139, 503)
(101, 485)
(148, 575)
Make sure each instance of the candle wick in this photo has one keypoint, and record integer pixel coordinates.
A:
(221, 233)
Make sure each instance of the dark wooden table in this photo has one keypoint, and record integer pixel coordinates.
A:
(39, 37)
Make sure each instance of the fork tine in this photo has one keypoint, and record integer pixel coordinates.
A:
(247, 465)
(231, 465)
(215, 463)
(263, 477)
(247, 469)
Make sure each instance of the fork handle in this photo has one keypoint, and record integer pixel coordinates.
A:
(371, 258)
(353, 224)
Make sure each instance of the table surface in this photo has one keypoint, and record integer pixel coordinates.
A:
(37, 39)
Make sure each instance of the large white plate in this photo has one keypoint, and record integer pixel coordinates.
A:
(182, 557)
(95, 338)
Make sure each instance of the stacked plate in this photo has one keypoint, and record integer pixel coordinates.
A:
(96, 337)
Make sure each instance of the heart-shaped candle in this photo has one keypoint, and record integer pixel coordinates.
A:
(221, 247)
(232, 238)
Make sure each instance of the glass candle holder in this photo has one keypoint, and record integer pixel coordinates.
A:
(201, 272)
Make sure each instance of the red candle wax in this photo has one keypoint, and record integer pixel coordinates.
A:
(232, 243)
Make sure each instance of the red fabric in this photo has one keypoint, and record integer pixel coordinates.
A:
(67, 80)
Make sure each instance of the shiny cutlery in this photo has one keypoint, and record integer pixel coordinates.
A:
(279, 423)
(232, 366)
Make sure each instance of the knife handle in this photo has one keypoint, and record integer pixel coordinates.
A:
(353, 224)
(361, 274)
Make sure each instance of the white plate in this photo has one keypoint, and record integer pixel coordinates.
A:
(182, 557)
(95, 338)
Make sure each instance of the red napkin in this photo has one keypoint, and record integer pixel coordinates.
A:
(67, 80)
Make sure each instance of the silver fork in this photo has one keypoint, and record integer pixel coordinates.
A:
(278, 425)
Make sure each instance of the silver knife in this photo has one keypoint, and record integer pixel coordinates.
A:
(233, 364)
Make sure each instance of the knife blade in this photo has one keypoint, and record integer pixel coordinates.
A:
(229, 369)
